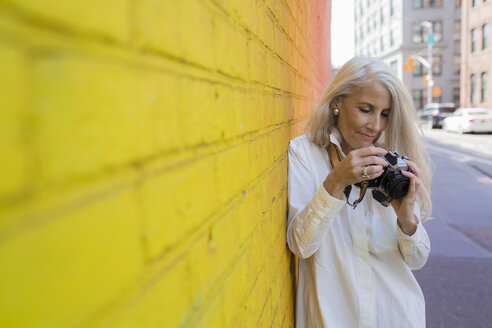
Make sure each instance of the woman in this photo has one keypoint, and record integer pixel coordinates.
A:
(355, 262)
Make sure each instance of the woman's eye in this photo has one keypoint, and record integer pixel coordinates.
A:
(385, 114)
(364, 110)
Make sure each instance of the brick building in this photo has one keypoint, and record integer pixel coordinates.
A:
(476, 52)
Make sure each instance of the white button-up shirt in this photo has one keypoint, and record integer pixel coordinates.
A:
(355, 264)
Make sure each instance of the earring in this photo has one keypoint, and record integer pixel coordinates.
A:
(336, 111)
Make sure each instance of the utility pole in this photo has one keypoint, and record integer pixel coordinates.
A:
(430, 42)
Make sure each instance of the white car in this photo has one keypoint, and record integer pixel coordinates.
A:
(469, 120)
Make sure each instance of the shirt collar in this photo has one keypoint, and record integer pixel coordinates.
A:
(336, 139)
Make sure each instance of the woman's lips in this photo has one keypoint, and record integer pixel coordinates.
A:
(366, 137)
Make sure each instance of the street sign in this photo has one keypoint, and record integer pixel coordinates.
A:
(430, 38)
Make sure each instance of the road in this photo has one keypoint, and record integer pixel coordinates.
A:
(457, 279)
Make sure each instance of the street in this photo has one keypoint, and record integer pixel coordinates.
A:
(457, 279)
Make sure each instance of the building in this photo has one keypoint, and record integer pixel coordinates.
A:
(392, 30)
(476, 53)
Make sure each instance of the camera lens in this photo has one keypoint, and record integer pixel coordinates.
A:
(396, 185)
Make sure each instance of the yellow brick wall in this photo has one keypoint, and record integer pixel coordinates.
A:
(144, 158)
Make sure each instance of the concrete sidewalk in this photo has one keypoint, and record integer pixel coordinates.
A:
(479, 144)
(474, 149)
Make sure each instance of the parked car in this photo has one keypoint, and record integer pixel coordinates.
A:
(469, 120)
(433, 114)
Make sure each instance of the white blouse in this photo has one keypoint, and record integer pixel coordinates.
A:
(354, 264)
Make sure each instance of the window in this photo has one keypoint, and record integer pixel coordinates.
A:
(392, 38)
(394, 66)
(437, 29)
(418, 69)
(457, 29)
(456, 96)
(420, 34)
(474, 37)
(472, 88)
(381, 44)
(392, 7)
(436, 65)
(381, 14)
(418, 97)
(474, 3)
(485, 36)
(417, 36)
(457, 3)
(427, 4)
(483, 85)
(456, 63)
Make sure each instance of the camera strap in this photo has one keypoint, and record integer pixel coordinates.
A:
(335, 157)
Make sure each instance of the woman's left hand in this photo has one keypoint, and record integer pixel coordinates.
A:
(404, 207)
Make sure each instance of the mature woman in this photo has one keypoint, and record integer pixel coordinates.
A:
(355, 262)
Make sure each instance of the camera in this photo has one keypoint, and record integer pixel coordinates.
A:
(392, 181)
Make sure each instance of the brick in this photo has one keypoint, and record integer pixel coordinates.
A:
(269, 109)
(248, 111)
(226, 106)
(158, 26)
(13, 122)
(79, 16)
(158, 99)
(257, 63)
(231, 60)
(283, 15)
(246, 12)
(90, 117)
(164, 301)
(177, 201)
(213, 254)
(283, 104)
(266, 26)
(200, 114)
(280, 140)
(284, 77)
(183, 29)
(233, 171)
(260, 155)
(197, 27)
(65, 271)
(272, 70)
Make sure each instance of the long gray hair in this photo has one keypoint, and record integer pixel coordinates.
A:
(402, 132)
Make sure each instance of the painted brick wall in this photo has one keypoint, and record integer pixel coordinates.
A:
(144, 162)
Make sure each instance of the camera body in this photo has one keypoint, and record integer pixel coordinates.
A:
(392, 182)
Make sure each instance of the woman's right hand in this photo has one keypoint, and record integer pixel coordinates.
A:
(351, 169)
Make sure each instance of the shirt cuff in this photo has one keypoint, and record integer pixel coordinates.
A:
(418, 235)
(324, 204)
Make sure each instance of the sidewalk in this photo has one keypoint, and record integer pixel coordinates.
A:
(475, 149)
(480, 144)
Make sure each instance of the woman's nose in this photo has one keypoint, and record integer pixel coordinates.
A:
(374, 123)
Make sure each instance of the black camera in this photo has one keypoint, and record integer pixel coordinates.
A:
(392, 182)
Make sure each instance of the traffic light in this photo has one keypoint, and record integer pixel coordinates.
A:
(436, 92)
(408, 65)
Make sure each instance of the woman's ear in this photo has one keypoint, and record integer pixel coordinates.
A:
(335, 103)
